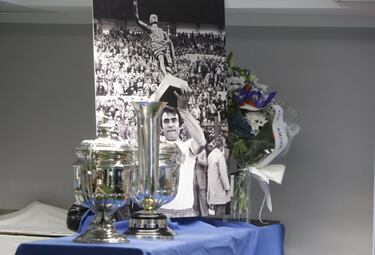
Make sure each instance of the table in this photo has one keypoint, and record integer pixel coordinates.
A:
(196, 236)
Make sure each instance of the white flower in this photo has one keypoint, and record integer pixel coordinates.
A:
(256, 120)
(234, 83)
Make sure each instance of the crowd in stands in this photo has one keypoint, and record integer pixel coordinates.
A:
(125, 67)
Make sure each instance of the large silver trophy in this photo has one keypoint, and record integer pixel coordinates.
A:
(102, 181)
(155, 183)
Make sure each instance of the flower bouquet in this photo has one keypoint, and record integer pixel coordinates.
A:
(257, 135)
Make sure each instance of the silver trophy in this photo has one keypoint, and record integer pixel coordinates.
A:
(156, 181)
(102, 181)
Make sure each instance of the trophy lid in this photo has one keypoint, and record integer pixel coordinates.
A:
(108, 147)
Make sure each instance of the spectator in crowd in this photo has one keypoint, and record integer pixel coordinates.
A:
(200, 184)
(217, 177)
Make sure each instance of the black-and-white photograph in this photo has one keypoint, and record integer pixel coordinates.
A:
(172, 51)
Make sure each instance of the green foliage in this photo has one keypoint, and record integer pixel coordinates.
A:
(250, 151)
(229, 64)
(233, 106)
(247, 151)
(233, 70)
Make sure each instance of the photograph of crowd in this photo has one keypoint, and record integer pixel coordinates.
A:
(142, 48)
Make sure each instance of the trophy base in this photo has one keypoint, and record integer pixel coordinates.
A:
(150, 225)
(101, 233)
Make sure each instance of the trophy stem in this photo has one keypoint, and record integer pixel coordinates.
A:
(148, 223)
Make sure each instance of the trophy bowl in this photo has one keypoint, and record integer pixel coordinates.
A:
(102, 183)
(156, 180)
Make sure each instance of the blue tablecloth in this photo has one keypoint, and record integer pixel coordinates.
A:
(194, 237)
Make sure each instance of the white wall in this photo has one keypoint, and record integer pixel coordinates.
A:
(46, 109)
(327, 75)
(325, 202)
(281, 4)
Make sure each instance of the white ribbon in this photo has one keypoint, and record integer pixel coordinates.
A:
(280, 134)
(263, 171)
(269, 173)
(264, 176)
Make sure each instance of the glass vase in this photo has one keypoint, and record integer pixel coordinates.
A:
(241, 197)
